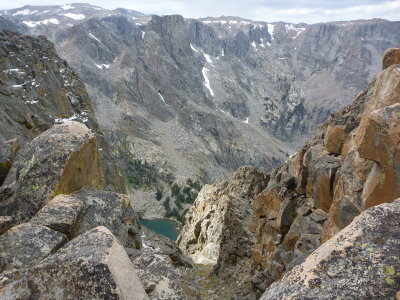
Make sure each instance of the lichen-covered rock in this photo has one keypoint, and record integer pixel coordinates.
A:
(361, 262)
(27, 244)
(60, 161)
(391, 57)
(7, 154)
(92, 266)
(62, 214)
(109, 209)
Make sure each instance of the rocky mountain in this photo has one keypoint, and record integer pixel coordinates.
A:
(200, 98)
(318, 221)
(324, 224)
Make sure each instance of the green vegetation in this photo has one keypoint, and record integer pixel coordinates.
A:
(182, 194)
(139, 173)
(158, 194)
(142, 175)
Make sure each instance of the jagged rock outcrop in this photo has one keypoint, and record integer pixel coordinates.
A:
(217, 224)
(61, 160)
(217, 233)
(351, 164)
(361, 262)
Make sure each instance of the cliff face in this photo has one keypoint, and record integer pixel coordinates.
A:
(350, 165)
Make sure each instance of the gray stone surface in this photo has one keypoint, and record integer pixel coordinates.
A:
(27, 244)
(62, 214)
(109, 209)
(361, 262)
(92, 266)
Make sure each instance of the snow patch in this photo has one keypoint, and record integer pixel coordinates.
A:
(45, 22)
(246, 121)
(65, 120)
(254, 45)
(271, 28)
(24, 12)
(93, 37)
(10, 71)
(207, 81)
(207, 57)
(75, 16)
(300, 30)
(289, 27)
(103, 66)
(143, 34)
(67, 6)
(162, 98)
(194, 49)
(224, 112)
(32, 102)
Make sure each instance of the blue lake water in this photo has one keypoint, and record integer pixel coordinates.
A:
(165, 227)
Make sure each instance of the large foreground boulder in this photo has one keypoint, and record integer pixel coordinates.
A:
(92, 266)
(60, 161)
(361, 262)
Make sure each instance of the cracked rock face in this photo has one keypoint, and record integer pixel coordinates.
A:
(361, 262)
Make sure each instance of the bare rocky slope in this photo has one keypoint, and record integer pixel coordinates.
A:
(318, 221)
(199, 98)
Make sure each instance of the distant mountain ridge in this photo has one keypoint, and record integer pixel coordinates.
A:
(200, 98)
